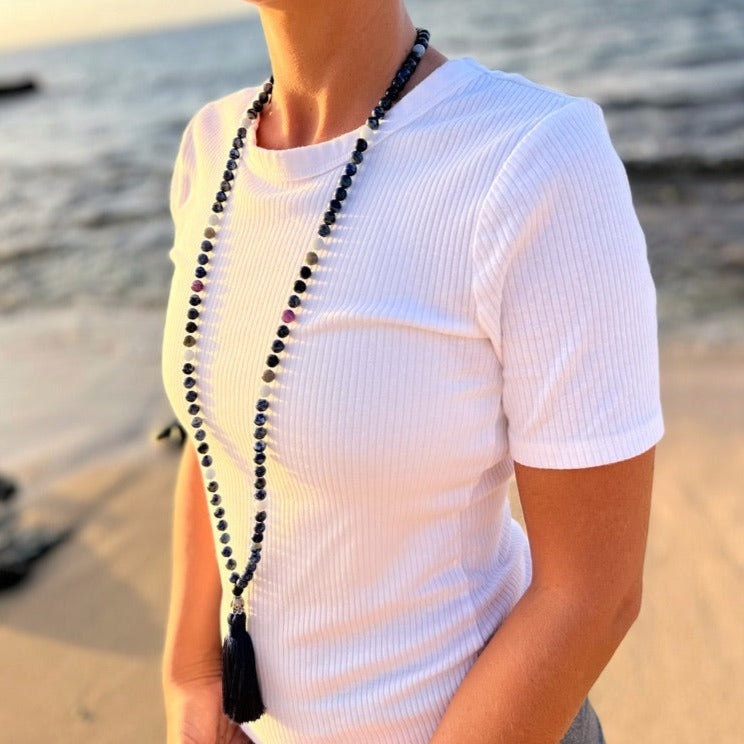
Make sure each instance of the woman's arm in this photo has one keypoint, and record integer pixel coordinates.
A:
(191, 670)
(587, 529)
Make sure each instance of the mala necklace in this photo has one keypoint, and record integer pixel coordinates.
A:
(241, 695)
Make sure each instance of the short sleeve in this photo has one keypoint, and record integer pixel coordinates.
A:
(564, 292)
(181, 180)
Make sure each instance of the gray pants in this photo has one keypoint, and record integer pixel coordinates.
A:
(585, 728)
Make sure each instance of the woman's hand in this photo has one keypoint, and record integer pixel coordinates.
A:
(194, 713)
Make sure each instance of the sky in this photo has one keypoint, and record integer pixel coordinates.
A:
(26, 23)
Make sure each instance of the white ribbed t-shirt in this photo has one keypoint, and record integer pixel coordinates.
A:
(484, 297)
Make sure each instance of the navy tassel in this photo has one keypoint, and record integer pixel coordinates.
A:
(241, 696)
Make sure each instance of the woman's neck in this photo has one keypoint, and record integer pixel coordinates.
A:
(332, 61)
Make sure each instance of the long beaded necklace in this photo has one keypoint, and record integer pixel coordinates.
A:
(241, 695)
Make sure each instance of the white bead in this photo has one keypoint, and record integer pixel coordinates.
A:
(366, 133)
(214, 219)
(265, 390)
(188, 355)
(209, 472)
(419, 50)
(318, 243)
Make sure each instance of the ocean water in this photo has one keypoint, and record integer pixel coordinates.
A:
(85, 163)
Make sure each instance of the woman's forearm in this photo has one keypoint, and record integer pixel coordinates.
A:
(530, 680)
(192, 644)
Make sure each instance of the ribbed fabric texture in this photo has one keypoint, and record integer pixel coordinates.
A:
(484, 296)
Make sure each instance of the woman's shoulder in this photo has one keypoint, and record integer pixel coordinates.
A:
(509, 101)
(221, 114)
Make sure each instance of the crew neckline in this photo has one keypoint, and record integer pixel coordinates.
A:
(312, 160)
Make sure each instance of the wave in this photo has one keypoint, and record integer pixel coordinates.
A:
(685, 166)
(696, 98)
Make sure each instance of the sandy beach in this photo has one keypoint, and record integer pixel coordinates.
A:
(81, 638)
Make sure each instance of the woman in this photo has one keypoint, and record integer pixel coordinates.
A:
(477, 303)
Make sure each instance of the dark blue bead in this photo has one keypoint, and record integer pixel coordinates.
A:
(231, 165)
(242, 131)
(200, 272)
(226, 185)
(221, 196)
(225, 538)
(324, 231)
(259, 483)
(190, 326)
(379, 112)
(238, 141)
(194, 299)
(228, 175)
(189, 382)
(256, 553)
(199, 435)
(257, 537)
(294, 301)
(345, 181)
(340, 193)
(251, 113)
(226, 551)
(219, 512)
(306, 272)
(300, 286)
(263, 97)
(237, 591)
(357, 156)
(196, 422)
(230, 564)
(272, 360)
(260, 433)
(373, 122)
(206, 245)
(350, 169)
(193, 410)
(259, 459)
(242, 583)
(234, 153)
(193, 312)
(191, 396)
(261, 516)
(259, 528)
(329, 218)
(282, 331)
(260, 419)
(215, 499)
(260, 495)
(234, 577)
(206, 461)
(203, 448)
(203, 258)
(386, 104)
(335, 205)
(260, 471)
(257, 106)
(217, 208)
(361, 144)
(262, 404)
(259, 446)
(277, 345)
(188, 368)
(212, 486)
(222, 525)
